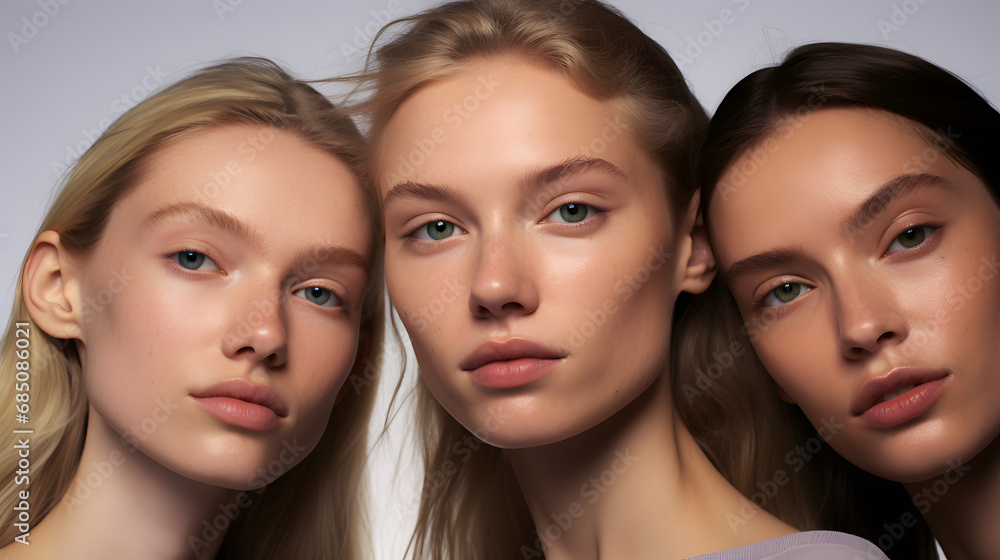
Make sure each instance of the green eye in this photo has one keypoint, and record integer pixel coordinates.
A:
(911, 237)
(785, 293)
(573, 213)
(440, 230)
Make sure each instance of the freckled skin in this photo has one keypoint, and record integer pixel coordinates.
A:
(512, 269)
(168, 332)
(874, 305)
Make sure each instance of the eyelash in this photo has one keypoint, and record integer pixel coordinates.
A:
(344, 301)
(931, 235)
(758, 303)
(206, 253)
(597, 211)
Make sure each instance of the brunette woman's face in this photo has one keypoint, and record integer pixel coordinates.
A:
(530, 252)
(221, 306)
(865, 264)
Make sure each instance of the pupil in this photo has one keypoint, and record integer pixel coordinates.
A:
(190, 257)
(440, 227)
(573, 209)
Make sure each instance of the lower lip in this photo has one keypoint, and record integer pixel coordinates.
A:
(905, 407)
(240, 413)
(508, 374)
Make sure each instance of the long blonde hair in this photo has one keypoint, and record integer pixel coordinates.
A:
(315, 510)
(477, 510)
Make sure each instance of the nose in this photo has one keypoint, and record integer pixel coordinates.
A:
(868, 316)
(258, 331)
(502, 283)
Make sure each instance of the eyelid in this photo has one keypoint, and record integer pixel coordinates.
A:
(408, 235)
(209, 255)
(556, 205)
(766, 288)
(914, 224)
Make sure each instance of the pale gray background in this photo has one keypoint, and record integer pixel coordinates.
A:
(66, 83)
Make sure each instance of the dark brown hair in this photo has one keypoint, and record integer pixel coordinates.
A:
(739, 419)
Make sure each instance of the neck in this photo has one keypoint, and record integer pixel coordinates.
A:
(633, 485)
(122, 504)
(961, 505)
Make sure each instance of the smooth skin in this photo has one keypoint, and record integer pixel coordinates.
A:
(912, 283)
(535, 215)
(260, 280)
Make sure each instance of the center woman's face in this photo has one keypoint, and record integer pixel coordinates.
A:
(865, 264)
(529, 252)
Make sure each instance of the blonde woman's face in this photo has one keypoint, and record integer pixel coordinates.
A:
(865, 264)
(530, 252)
(221, 306)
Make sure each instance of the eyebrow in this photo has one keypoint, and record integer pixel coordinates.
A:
(866, 212)
(231, 224)
(424, 191)
(889, 192)
(568, 168)
(198, 211)
(767, 259)
(535, 179)
(329, 253)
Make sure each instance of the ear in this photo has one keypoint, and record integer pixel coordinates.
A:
(700, 269)
(49, 288)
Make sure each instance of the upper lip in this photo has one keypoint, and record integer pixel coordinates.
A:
(896, 378)
(244, 390)
(509, 349)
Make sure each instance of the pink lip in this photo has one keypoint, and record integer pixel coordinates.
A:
(243, 404)
(510, 363)
(929, 383)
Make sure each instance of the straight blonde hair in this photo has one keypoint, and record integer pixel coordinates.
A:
(316, 509)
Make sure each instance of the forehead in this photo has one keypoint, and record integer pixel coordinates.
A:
(290, 190)
(495, 114)
(815, 170)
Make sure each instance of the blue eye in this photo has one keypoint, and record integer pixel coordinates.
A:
(785, 293)
(193, 260)
(909, 239)
(437, 230)
(320, 296)
(571, 213)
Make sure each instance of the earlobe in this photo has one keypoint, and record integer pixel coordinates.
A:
(49, 289)
(701, 266)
